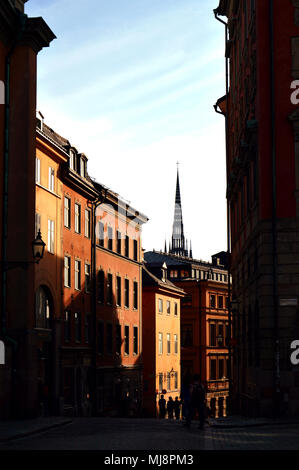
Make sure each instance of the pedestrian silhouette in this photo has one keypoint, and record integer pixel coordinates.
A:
(177, 407)
(170, 408)
(186, 398)
(162, 407)
(197, 402)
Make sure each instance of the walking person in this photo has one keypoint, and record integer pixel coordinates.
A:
(186, 399)
(162, 407)
(170, 408)
(198, 402)
(177, 408)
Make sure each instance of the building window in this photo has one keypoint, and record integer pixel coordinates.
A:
(187, 335)
(87, 278)
(168, 343)
(67, 326)
(127, 304)
(127, 340)
(67, 212)
(101, 337)
(72, 160)
(78, 327)
(176, 382)
(118, 339)
(220, 301)
(51, 179)
(37, 223)
(135, 242)
(77, 218)
(212, 334)
(109, 345)
(87, 223)
(168, 307)
(77, 274)
(168, 381)
(51, 236)
(109, 289)
(118, 242)
(213, 374)
(118, 291)
(110, 238)
(135, 340)
(175, 340)
(127, 244)
(37, 170)
(160, 306)
(220, 338)
(82, 167)
(221, 369)
(88, 328)
(135, 295)
(160, 382)
(101, 279)
(160, 343)
(67, 271)
(212, 301)
(42, 309)
(101, 234)
(175, 308)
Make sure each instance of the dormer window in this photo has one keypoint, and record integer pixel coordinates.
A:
(82, 167)
(72, 160)
(164, 272)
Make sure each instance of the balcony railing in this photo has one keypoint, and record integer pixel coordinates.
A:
(214, 385)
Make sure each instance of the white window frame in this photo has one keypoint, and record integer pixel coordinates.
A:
(77, 274)
(51, 236)
(51, 182)
(37, 170)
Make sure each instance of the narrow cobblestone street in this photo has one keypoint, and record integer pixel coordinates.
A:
(140, 434)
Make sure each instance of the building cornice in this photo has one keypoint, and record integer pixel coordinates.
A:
(36, 34)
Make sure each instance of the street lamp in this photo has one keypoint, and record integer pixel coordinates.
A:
(38, 248)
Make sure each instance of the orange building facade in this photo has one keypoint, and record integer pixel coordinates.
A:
(204, 322)
(161, 340)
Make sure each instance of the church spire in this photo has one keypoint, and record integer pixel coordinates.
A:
(178, 244)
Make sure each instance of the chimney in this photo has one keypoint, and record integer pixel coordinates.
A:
(19, 4)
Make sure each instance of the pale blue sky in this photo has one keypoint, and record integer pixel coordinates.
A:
(132, 84)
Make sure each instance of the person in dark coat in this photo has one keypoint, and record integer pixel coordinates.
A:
(162, 407)
(197, 402)
(177, 407)
(170, 408)
(186, 398)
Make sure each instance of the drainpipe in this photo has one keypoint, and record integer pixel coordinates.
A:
(274, 216)
(229, 372)
(100, 200)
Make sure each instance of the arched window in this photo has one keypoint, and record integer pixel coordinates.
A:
(42, 308)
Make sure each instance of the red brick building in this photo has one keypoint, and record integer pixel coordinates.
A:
(118, 304)
(262, 192)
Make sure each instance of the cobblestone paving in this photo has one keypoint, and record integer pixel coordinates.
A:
(139, 434)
